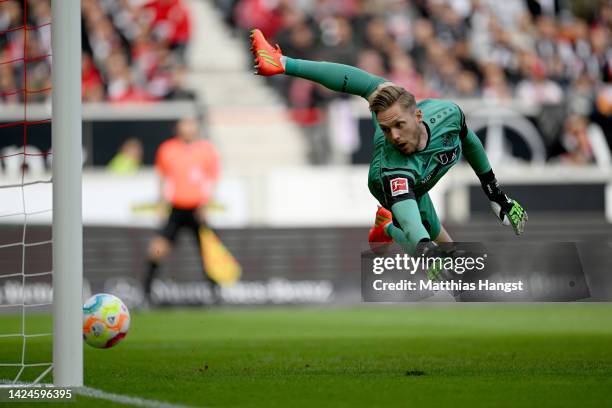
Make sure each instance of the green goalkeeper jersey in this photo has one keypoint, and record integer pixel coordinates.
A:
(400, 182)
(394, 176)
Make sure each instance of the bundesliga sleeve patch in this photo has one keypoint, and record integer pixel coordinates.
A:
(399, 185)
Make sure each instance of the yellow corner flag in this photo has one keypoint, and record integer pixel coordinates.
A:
(219, 263)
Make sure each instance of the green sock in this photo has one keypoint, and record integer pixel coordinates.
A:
(398, 236)
(337, 77)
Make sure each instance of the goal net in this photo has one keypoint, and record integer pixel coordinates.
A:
(40, 248)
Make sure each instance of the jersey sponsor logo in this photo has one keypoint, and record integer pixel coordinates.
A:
(447, 157)
(399, 186)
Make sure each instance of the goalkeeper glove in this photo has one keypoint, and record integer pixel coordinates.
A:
(429, 249)
(436, 272)
(509, 211)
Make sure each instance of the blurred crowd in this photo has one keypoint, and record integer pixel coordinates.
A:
(549, 52)
(133, 50)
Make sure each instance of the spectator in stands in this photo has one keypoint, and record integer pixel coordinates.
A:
(122, 86)
(267, 15)
(599, 63)
(582, 143)
(378, 37)
(8, 86)
(404, 74)
(41, 16)
(103, 38)
(10, 17)
(423, 33)
(371, 61)
(144, 53)
(299, 39)
(168, 22)
(536, 87)
(467, 85)
(486, 48)
(581, 96)
(337, 37)
(495, 87)
(160, 82)
(91, 88)
(111, 27)
(38, 71)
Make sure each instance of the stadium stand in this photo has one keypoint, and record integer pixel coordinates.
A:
(133, 51)
(143, 51)
(247, 121)
(550, 53)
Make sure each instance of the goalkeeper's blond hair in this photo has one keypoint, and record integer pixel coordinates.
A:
(387, 95)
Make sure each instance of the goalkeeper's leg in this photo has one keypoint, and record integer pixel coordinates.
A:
(397, 235)
(379, 237)
(443, 236)
(270, 61)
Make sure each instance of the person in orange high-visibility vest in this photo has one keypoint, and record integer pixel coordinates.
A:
(189, 169)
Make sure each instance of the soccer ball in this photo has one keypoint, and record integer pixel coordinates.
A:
(106, 320)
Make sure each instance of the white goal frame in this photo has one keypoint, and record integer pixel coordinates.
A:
(67, 201)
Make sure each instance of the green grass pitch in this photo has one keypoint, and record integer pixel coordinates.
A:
(485, 355)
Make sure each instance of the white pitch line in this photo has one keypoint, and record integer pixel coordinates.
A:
(124, 399)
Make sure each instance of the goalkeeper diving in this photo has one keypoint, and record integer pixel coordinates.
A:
(415, 144)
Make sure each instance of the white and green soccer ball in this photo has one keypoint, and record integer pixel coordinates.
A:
(106, 320)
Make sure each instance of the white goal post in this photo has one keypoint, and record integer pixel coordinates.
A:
(67, 202)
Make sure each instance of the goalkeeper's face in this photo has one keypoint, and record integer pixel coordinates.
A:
(402, 128)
